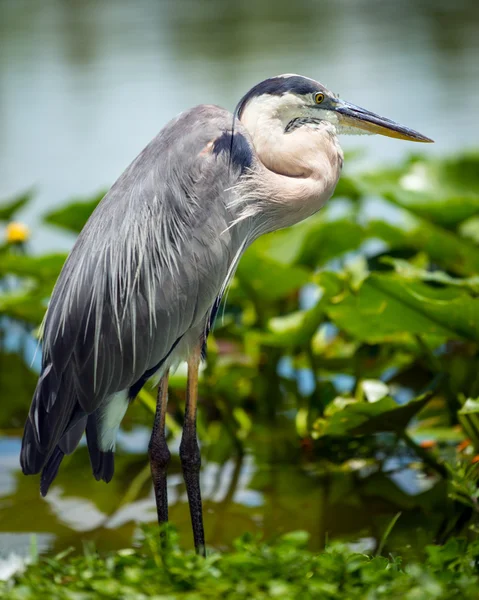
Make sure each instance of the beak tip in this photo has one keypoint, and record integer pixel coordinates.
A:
(424, 139)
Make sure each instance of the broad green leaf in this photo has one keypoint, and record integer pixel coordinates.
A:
(45, 268)
(447, 307)
(73, 216)
(320, 239)
(444, 247)
(388, 305)
(314, 241)
(294, 329)
(266, 279)
(364, 418)
(329, 240)
(445, 191)
(409, 271)
(10, 207)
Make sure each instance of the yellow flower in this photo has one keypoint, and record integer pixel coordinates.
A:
(17, 233)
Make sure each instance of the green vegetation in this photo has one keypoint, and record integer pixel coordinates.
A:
(284, 569)
(349, 349)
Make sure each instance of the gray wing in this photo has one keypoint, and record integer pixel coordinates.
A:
(146, 268)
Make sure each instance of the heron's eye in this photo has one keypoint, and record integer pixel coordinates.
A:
(318, 98)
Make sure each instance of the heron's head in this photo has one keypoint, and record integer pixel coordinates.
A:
(293, 98)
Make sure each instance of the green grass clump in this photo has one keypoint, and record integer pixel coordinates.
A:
(283, 569)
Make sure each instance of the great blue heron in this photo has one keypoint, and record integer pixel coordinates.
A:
(140, 290)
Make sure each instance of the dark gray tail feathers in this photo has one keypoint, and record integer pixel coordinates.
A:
(31, 459)
(67, 445)
(102, 463)
(54, 428)
(50, 470)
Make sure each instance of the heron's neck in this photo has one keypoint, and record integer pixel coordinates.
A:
(296, 172)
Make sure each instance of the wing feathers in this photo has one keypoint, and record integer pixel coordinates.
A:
(147, 267)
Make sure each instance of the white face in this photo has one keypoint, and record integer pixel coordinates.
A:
(305, 99)
(287, 108)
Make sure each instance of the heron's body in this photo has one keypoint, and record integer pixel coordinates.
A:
(142, 285)
(116, 317)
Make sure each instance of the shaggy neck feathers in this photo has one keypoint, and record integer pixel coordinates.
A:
(297, 168)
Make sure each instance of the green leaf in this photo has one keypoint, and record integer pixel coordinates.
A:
(73, 216)
(387, 533)
(10, 207)
(314, 241)
(470, 407)
(445, 191)
(294, 329)
(348, 187)
(266, 279)
(444, 247)
(470, 229)
(297, 539)
(45, 268)
(158, 568)
(387, 306)
(364, 418)
(409, 271)
(330, 239)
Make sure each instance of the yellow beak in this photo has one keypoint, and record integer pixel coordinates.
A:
(353, 116)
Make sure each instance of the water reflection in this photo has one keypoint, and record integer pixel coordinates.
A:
(268, 490)
(85, 85)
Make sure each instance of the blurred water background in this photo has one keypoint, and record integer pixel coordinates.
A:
(85, 85)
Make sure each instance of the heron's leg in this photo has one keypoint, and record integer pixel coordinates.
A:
(159, 453)
(190, 453)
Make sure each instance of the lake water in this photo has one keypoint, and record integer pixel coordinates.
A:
(85, 85)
